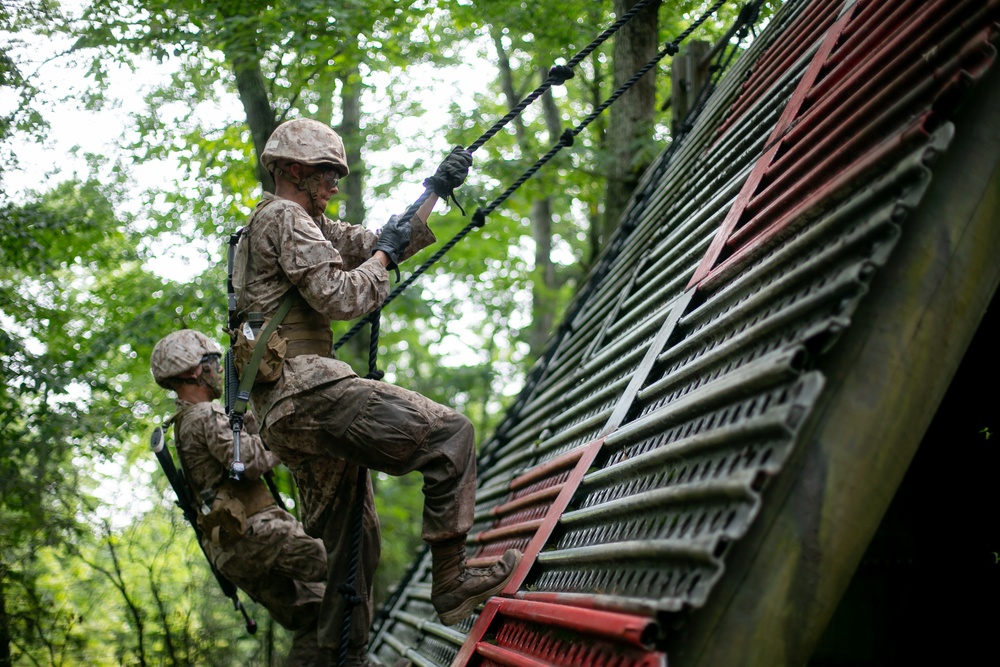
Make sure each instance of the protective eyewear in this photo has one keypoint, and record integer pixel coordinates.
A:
(331, 179)
(212, 359)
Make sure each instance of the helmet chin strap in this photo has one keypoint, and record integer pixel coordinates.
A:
(203, 381)
(309, 185)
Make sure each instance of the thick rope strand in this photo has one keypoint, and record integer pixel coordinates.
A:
(558, 75)
(479, 218)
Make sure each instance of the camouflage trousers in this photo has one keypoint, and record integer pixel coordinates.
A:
(283, 569)
(363, 423)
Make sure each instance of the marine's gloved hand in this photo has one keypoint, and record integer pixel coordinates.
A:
(393, 239)
(451, 173)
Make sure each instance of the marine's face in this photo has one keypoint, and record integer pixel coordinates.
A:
(212, 373)
(326, 188)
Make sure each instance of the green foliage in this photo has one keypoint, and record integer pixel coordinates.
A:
(19, 112)
(95, 566)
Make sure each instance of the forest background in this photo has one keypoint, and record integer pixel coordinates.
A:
(104, 252)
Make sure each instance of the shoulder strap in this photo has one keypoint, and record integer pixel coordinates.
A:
(234, 239)
(250, 370)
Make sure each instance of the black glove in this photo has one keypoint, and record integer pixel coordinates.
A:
(451, 173)
(393, 239)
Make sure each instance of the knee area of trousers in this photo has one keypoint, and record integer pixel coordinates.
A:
(464, 437)
(461, 428)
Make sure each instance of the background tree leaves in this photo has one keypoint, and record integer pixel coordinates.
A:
(93, 549)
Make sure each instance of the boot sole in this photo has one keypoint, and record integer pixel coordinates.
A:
(461, 612)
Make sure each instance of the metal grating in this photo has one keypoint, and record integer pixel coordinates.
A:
(648, 529)
(514, 521)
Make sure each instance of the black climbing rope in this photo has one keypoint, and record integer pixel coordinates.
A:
(349, 589)
(747, 18)
(556, 75)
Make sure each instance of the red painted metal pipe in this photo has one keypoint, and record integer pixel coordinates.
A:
(540, 497)
(784, 193)
(518, 529)
(890, 73)
(859, 94)
(876, 24)
(547, 469)
(508, 658)
(792, 108)
(638, 631)
(766, 238)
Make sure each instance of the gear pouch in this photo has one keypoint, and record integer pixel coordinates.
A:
(271, 363)
(226, 523)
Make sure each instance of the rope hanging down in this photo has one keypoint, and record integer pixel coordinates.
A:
(566, 139)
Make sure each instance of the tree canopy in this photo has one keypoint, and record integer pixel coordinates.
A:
(96, 564)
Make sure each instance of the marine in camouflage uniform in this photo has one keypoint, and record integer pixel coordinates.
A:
(321, 418)
(268, 555)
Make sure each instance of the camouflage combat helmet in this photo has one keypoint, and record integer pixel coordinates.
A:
(305, 141)
(179, 353)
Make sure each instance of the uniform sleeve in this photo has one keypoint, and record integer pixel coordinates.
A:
(356, 244)
(316, 268)
(420, 238)
(218, 436)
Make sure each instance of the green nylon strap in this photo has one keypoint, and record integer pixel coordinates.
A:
(250, 370)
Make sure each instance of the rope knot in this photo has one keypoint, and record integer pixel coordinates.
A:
(749, 13)
(351, 596)
(479, 217)
(560, 74)
(672, 49)
(375, 375)
(567, 137)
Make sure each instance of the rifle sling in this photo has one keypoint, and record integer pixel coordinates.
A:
(250, 370)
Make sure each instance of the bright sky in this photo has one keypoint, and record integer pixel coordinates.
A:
(74, 131)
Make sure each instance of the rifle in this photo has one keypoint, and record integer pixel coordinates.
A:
(185, 501)
(237, 468)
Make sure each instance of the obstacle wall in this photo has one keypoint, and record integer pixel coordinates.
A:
(698, 407)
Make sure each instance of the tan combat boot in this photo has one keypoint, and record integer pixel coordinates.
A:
(457, 590)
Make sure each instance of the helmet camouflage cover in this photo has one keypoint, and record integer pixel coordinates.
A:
(178, 353)
(305, 141)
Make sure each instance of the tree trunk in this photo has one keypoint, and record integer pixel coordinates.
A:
(543, 284)
(5, 657)
(260, 116)
(350, 130)
(631, 118)
(544, 281)
(243, 52)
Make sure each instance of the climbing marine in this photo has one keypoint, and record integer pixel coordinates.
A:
(249, 539)
(329, 425)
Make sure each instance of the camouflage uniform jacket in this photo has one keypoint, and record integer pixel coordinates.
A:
(329, 263)
(205, 442)
(331, 267)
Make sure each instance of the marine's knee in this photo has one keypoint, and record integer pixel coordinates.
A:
(459, 429)
(461, 439)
